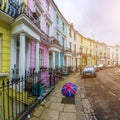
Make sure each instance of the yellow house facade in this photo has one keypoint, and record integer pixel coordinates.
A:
(4, 48)
(79, 49)
(72, 44)
(5, 31)
(83, 51)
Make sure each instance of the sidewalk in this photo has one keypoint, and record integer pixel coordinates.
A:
(57, 107)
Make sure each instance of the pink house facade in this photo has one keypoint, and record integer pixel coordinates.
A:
(39, 51)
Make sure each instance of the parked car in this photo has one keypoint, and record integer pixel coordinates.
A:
(89, 71)
(109, 66)
(96, 68)
(101, 66)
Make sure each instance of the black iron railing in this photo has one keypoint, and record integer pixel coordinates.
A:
(19, 94)
(24, 9)
(9, 7)
(67, 49)
(55, 41)
(45, 37)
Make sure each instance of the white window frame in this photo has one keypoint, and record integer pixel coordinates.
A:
(41, 58)
(47, 30)
(63, 39)
(74, 47)
(74, 35)
(47, 5)
(63, 26)
(57, 19)
(70, 45)
(39, 18)
(57, 35)
(70, 32)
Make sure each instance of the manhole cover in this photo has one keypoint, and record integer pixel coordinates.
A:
(68, 100)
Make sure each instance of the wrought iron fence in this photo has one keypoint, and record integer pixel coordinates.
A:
(23, 8)
(9, 7)
(21, 94)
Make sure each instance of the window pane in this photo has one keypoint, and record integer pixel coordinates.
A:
(47, 29)
(47, 5)
(57, 19)
(41, 57)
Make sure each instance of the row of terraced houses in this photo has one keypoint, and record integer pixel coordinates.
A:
(33, 35)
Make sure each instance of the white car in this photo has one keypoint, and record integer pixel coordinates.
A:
(96, 68)
(109, 66)
(89, 71)
(101, 66)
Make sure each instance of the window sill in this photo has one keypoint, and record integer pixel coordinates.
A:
(4, 74)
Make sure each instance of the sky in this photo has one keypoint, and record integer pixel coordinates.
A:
(95, 19)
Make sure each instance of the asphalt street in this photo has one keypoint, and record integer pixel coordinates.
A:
(103, 93)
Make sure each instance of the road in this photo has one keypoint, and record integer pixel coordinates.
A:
(103, 93)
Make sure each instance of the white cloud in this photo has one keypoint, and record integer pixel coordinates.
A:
(94, 18)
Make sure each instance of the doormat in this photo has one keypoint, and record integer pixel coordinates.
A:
(68, 100)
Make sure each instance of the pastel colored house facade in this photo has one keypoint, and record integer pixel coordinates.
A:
(4, 47)
(25, 30)
(6, 7)
(93, 52)
(102, 53)
(72, 44)
(112, 55)
(36, 31)
(44, 13)
(60, 37)
(96, 53)
(90, 51)
(84, 58)
(79, 48)
(8, 11)
(24, 41)
(33, 35)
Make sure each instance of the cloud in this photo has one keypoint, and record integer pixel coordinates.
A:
(99, 19)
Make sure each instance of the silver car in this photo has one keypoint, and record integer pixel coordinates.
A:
(89, 71)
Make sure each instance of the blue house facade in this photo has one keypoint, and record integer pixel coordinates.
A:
(60, 34)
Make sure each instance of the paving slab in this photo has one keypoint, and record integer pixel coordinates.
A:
(69, 108)
(49, 114)
(59, 95)
(55, 99)
(67, 116)
(56, 106)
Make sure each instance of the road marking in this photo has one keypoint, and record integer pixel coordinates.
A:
(102, 87)
(112, 93)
